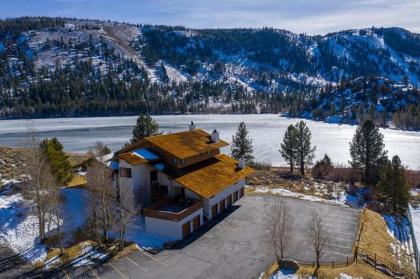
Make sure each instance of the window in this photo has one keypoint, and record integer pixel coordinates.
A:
(182, 161)
(209, 152)
(125, 172)
(174, 160)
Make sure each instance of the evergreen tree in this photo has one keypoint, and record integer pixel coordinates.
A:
(393, 185)
(146, 126)
(58, 160)
(323, 167)
(289, 147)
(241, 144)
(304, 151)
(366, 149)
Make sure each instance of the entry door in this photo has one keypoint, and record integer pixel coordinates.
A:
(186, 229)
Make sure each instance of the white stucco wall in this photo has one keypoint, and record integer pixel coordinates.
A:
(208, 203)
(139, 183)
(171, 228)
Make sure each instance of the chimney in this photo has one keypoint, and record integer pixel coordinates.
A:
(241, 163)
(192, 126)
(215, 136)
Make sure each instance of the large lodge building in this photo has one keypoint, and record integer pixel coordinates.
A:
(179, 180)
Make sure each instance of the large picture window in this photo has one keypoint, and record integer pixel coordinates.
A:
(125, 172)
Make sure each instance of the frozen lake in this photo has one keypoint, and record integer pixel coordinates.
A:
(266, 130)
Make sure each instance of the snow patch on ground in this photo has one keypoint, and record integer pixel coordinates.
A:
(284, 274)
(288, 193)
(137, 233)
(19, 225)
(174, 75)
(346, 276)
(19, 228)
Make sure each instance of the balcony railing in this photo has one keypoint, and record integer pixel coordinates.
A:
(172, 209)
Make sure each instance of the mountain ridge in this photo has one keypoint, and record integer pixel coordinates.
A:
(134, 68)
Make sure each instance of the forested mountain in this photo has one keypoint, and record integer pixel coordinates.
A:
(69, 67)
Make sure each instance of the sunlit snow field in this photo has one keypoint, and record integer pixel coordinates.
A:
(266, 130)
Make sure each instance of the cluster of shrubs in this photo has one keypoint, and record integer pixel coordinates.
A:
(325, 169)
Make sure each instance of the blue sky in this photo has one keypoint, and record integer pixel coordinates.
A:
(310, 16)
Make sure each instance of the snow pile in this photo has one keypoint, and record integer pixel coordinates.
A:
(284, 274)
(346, 276)
(137, 233)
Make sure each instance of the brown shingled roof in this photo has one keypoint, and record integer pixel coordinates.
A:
(219, 173)
(185, 144)
(132, 159)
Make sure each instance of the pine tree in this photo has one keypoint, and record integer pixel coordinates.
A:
(366, 149)
(241, 147)
(288, 148)
(393, 185)
(323, 167)
(304, 151)
(146, 126)
(58, 159)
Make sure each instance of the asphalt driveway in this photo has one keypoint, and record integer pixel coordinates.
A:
(234, 246)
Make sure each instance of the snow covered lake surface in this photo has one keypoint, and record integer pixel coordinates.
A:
(266, 130)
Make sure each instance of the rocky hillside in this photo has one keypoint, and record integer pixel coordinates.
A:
(67, 67)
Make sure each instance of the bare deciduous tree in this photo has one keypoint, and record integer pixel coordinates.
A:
(318, 236)
(99, 178)
(40, 181)
(56, 213)
(125, 212)
(279, 225)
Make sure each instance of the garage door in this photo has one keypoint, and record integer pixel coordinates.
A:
(186, 229)
(214, 211)
(196, 222)
(222, 205)
(229, 200)
(235, 196)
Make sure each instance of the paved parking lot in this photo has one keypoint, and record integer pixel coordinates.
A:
(231, 246)
(234, 245)
(11, 266)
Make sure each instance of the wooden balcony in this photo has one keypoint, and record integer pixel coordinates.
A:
(172, 209)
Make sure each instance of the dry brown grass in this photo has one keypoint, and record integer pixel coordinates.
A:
(374, 237)
(275, 178)
(77, 158)
(69, 253)
(12, 162)
(126, 251)
(357, 270)
(77, 181)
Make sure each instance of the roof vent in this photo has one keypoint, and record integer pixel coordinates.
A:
(241, 163)
(215, 136)
(192, 126)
